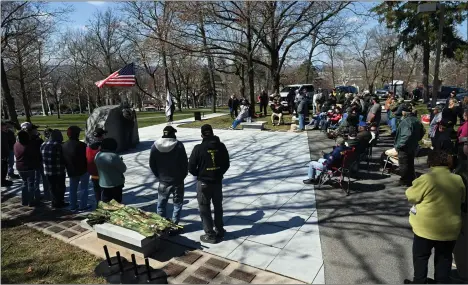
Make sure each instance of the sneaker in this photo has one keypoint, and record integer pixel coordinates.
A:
(230, 128)
(407, 281)
(6, 183)
(208, 239)
(14, 176)
(308, 181)
(220, 234)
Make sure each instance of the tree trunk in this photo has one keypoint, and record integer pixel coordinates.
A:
(24, 94)
(332, 66)
(309, 62)
(242, 78)
(9, 100)
(250, 66)
(57, 103)
(426, 57)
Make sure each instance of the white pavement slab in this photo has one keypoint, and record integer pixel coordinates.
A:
(268, 212)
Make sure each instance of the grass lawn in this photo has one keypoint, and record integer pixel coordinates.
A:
(29, 256)
(225, 122)
(144, 119)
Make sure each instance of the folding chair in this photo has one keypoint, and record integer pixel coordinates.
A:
(341, 173)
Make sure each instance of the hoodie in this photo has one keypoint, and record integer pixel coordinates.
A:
(91, 152)
(168, 161)
(209, 160)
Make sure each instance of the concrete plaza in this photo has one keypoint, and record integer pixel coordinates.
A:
(270, 216)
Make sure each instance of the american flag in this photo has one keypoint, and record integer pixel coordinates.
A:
(123, 77)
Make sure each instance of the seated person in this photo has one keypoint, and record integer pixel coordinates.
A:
(277, 112)
(243, 114)
(443, 141)
(333, 158)
(333, 118)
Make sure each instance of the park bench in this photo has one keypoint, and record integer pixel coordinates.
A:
(258, 125)
(142, 246)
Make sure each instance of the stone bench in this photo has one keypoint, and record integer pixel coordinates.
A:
(258, 125)
(128, 239)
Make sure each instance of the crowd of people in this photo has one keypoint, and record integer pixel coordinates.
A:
(50, 160)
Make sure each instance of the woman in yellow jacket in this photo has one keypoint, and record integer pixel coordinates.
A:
(435, 217)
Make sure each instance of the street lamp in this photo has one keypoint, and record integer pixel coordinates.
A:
(432, 7)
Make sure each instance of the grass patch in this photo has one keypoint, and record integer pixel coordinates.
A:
(31, 257)
(224, 122)
(144, 119)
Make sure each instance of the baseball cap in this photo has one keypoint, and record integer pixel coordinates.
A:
(26, 126)
(99, 132)
(169, 131)
(207, 130)
(406, 108)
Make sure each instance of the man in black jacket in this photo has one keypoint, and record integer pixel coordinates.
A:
(168, 161)
(11, 156)
(263, 102)
(209, 161)
(74, 153)
(5, 151)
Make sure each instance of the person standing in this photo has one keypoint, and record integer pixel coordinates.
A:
(54, 168)
(263, 102)
(27, 162)
(235, 106)
(435, 217)
(290, 98)
(168, 162)
(244, 114)
(231, 106)
(409, 133)
(111, 169)
(375, 112)
(10, 134)
(93, 148)
(302, 111)
(434, 125)
(209, 162)
(74, 152)
(5, 155)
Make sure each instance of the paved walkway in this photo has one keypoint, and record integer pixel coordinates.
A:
(269, 215)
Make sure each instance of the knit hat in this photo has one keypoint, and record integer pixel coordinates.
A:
(109, 144)
(207, 130)
(169, 132)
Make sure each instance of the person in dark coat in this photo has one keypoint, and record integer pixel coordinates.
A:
(263, 102)
(5, 154)
(54, 168)
(233, 105)
(11, 155)
(27, 161)
(168, 162)
(74, 152)
(209, 162)
(93, 148)
(291, 104)
(443, 141)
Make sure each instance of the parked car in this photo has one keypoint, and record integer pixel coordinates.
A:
(446, 90)
(347, 89)
(309, 88)
(381, 93)
(461, 96)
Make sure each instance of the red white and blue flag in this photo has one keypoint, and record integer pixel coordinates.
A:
(124, 77)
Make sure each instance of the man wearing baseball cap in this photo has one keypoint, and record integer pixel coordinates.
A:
(169, 163)
(209, 162)
(91, 151)
(409, 133)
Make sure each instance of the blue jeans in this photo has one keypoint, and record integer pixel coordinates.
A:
(83, 180)
(164, 191)
(316, 168)
(28, 195)
(39, 175)
(11, 162)
(236, 123)
(301, 122)
(393, 125)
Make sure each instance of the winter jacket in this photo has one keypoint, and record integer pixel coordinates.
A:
(443, 142)
(52, 158)
(209, 160)
(28, 156)
(303, 106)
(409, 133)
(11, 139)
(335, 157)
(168, 161)
(74, 152)
(263, 98)
(5, 147)
(91, 152)
(437, 196)
(244, 112)
(110, 169)
(230, 102)
(335, 118)
(450, 115)
(462, 131)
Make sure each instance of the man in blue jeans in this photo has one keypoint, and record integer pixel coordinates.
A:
(329, 159)
(169, 163)
(74, 152)
(302, 110)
